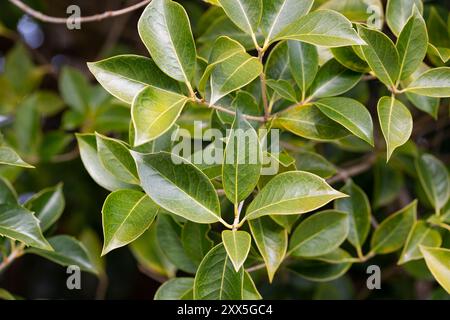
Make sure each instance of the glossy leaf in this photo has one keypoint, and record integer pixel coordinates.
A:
(20, 224)
(292, 192)
(126, 214)
(237, 244)
(196, 241)
(314, 163)
(357, 206)
(166, 32)
(319, 271)
(216, 278)
(392, 233)
(176, 289)
(319, 234)
(7, 193)
(246, 14)
(438, 261)
(351, 114)
(10, 157)
(323, 28)
(399, 11)
(303, 63)
(242, 161)
(179, 188)
(272, 242)
(396, 123)
(432, 83)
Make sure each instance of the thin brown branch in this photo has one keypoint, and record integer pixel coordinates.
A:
(16, 252)
(348, 172)
(93, 18)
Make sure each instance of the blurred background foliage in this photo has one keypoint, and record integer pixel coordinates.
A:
(47, 94)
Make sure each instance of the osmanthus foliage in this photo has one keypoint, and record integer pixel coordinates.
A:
(300, 70)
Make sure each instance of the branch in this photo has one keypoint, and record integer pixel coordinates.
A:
(223, 109)
(60, 20)
(346, 173)
(15, 253)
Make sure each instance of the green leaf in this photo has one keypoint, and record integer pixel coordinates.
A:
(153, 112)
(10, 157)
(6, 295)
(434, 179)
(20, 224)
(176, 289)
(319, 271)
(388, 182)
(196, 241)
(47, 205)
(67, 251)
(74, 89)
(166, 32)
(229, 68)
(283, 89)
(438, 261)
(337, 256)
(277, 65)
(392, 233)
(272, 242)
(432, 83)
(351, 114)
(242, 161)
(412, 44)
(278, 14)
(7, 193)
(125, 75)
(357, 206)
(126, 214)
(88, 153)
(362, 11)
(399, 11)
(420, 235)
(246, 14)
(237, 244)
(349, 59)
(292, 192)
(319, 234)
(309, 122)
(381, 55)
(314, 163)
(323, 28)
(303, 63)
(169, 238)
(396, 123)
(249, 290)
(216, 278)
(333, 79)
(179, 188)
(116, 158)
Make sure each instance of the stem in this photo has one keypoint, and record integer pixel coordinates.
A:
(15, 253)
(262, 78)
(237, 213)
(346, 173)
(60, 20)
(256, 267)
(225, 110)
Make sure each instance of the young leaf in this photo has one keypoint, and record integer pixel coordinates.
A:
(216, 278)
(438, 261)
(47, 205)
(179, 188)
(307, 121)
(67, 251)
(196, 241)
(88, 153)
(126, 214)
(278, 14)
(116, 158)
(17, 223)
(271, 240)
(125, 75)
(392, 233)
(169, 238)
(246, 14)
(395, 121)
(166, 32)
(292, 192)
(333, 79)
(323, 28)
(351, 114)
(153, 112)
(10, 157)
(303, 63)
(237, 244)
(420, 235)
(319, 234)
(7, 193)
(242, 161)
(399, 11)
(176, 289)
(434, 179)
(74, 89)
(381, 55)
(358, 208)
(412, 44)
(432, 83)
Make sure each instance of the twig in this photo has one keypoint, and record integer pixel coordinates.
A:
(60, 20)
(346, 173)
(255, 268)
(16, 252)
(225, 110)
(262, 78)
